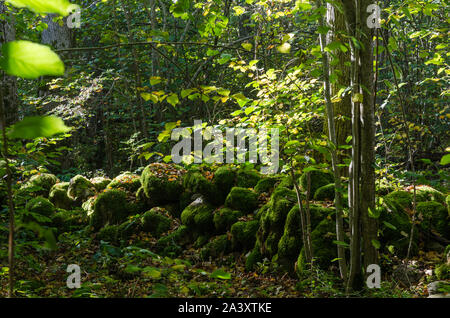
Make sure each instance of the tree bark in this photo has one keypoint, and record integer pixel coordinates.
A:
(8, 84)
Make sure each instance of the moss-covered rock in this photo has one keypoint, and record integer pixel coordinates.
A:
(41, 206)
(162, 183)
(100, 183)
(242, 199)
(443, 272)
(117, 233)
(80, 189)
(196, 183)
(398, 201)
(325, 193)
(128, 181)
(58, 196)
(198, 217)
(224, 179)
(266, 184)
(247, 178)
(201, 240)
(434, 216)
(324, 249)
(291, 242)
(43, 182)
(110, 207)
(253, 258)
(66, 221)
(318, 179)
(172, 244)
(244, 235)
(427, 193)
(224, 218)
(88, 206)
(216, 247)
(109, 233)
(155, 222)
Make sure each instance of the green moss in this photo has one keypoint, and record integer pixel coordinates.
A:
(325, 250)
(80, 189)
(66, 221)
(155, 222)
(253, 258)
(225, 218)
(100, 183)
(41, 206)
(398, 201)
(58, 196)
(447, 202)
(43, 182)
(443, 272)
(159, 186)
(128, 228)
(171, 244)
(325, 193)
(88, 206)
(128, 181)
(198, 217)
(242, 199)
(266, 184)
(110, 207)
(201, 241)
(224, 179)
(217, 247)
(318, 213)
(291, 242)
(247, 178)
(244, 235)
(318, 179)
(434, 216)
(196, 183)
(109, 233)
(427, 193)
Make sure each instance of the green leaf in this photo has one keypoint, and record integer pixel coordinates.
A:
(373, 214)
(30, 60)
(445, 160)
(62, 7)
(376, 244)
(173, 99)
(221, 274)
(389, 225)
(344, 244)
(247, 46)
(151, 272)
(34, 127)
(284, 48)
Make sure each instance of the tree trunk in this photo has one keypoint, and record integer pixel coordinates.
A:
(8, 84)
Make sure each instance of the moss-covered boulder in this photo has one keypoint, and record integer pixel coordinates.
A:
(318, 179)
(398, 201)
(110, 207)
(155, 222)
(243, 235)
(41, 183)
(162, 183)
(69, 220)
(38, 207)
(100, 183)
(196, 183)
(443, 272)
(325, 250)
(247, 178)
(427, 193)
(325, 193)
(58, 196)
(272, 219)
(88, 206)
(253, 258)
(266, 184)
(128, 181)
(447, 202)
(216, 247)
(224, 218)
(291, 242)
(224, 179)
(242, 199)
(80, 189)
(198, 217)
(434, 217)
(172, 244)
